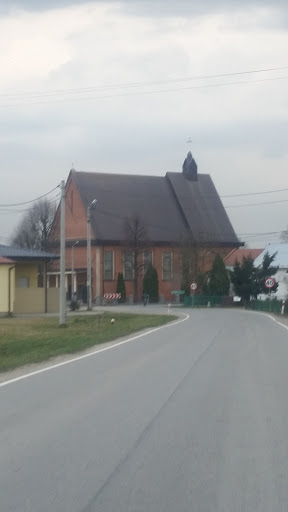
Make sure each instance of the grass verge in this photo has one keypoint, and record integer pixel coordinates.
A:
(32, 340)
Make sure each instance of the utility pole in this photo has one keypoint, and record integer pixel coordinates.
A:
(89, 277)
(72, 267)
(62, 309)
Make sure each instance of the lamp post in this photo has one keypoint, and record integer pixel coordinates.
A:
(62, 305)
(89, 279)
(72, 267)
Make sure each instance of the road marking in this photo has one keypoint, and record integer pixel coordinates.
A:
(277, 321)
(90, 354)
(269, 316)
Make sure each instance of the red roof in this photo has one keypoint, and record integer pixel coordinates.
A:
(239, 254)
(5, 261)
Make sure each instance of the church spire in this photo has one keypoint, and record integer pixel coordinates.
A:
(189, 168)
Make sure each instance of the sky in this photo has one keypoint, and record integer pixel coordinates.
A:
(123, 86)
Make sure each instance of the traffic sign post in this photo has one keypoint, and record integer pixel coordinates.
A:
(269, 282)
(177, 295)
(193, 288)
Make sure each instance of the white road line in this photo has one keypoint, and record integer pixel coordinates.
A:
(277, 321)
(269, 316)
(94, 353)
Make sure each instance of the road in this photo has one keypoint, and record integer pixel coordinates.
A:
(192, 417)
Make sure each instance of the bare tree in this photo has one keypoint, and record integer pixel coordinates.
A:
(33, 230)
(138, 242)
(195, 258)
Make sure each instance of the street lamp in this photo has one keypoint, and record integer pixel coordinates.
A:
(89, 283)
(72, 267)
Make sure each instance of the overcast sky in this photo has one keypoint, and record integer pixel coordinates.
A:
(120, 87)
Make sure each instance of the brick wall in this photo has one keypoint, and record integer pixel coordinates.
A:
(109, 286)
(76, 229)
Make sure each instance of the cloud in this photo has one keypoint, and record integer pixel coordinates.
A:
(170, 6)
(238, 131)
(194, 7)
(155, 8)
(39, 5)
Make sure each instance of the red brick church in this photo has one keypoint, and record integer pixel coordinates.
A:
(172, 208)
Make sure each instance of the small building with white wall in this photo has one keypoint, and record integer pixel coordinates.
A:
(281, 261)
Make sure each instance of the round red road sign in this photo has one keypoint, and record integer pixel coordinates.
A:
(269, 282)
(193, 286)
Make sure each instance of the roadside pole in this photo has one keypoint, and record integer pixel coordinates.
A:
(193, 288)
(89, 273)
(62, 309)
(89, 276)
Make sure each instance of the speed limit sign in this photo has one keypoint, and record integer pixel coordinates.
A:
(269, 282)
(193, 286)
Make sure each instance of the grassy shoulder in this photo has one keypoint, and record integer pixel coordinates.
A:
(32, 340)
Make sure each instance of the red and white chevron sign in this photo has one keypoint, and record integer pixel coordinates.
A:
(112, 295)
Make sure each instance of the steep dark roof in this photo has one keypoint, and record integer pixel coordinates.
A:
(170, 207)
(202, 208)
(121, 196)
(18, 253)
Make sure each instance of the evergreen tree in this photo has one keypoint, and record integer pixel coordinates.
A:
(249, 281)
(266, 270)
(219, 280)
(244, 279)
(150, 284)
(121, 288)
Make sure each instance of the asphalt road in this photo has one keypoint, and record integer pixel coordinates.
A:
(192, 417)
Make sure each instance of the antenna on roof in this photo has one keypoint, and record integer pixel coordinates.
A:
(189, 140)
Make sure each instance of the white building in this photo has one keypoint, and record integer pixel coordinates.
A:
(281, 261)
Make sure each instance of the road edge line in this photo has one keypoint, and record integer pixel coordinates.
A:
(90, 354)
(277, 321)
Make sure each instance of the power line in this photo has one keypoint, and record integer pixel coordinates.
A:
(260, 234)
(255, 237)
(8, 206)
(7, 211)
(256, 193)
(136, 84)
(141, 93)
(255, 204)
(27, 202)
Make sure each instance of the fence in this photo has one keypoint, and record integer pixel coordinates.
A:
(202, 301)
(269, 306)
